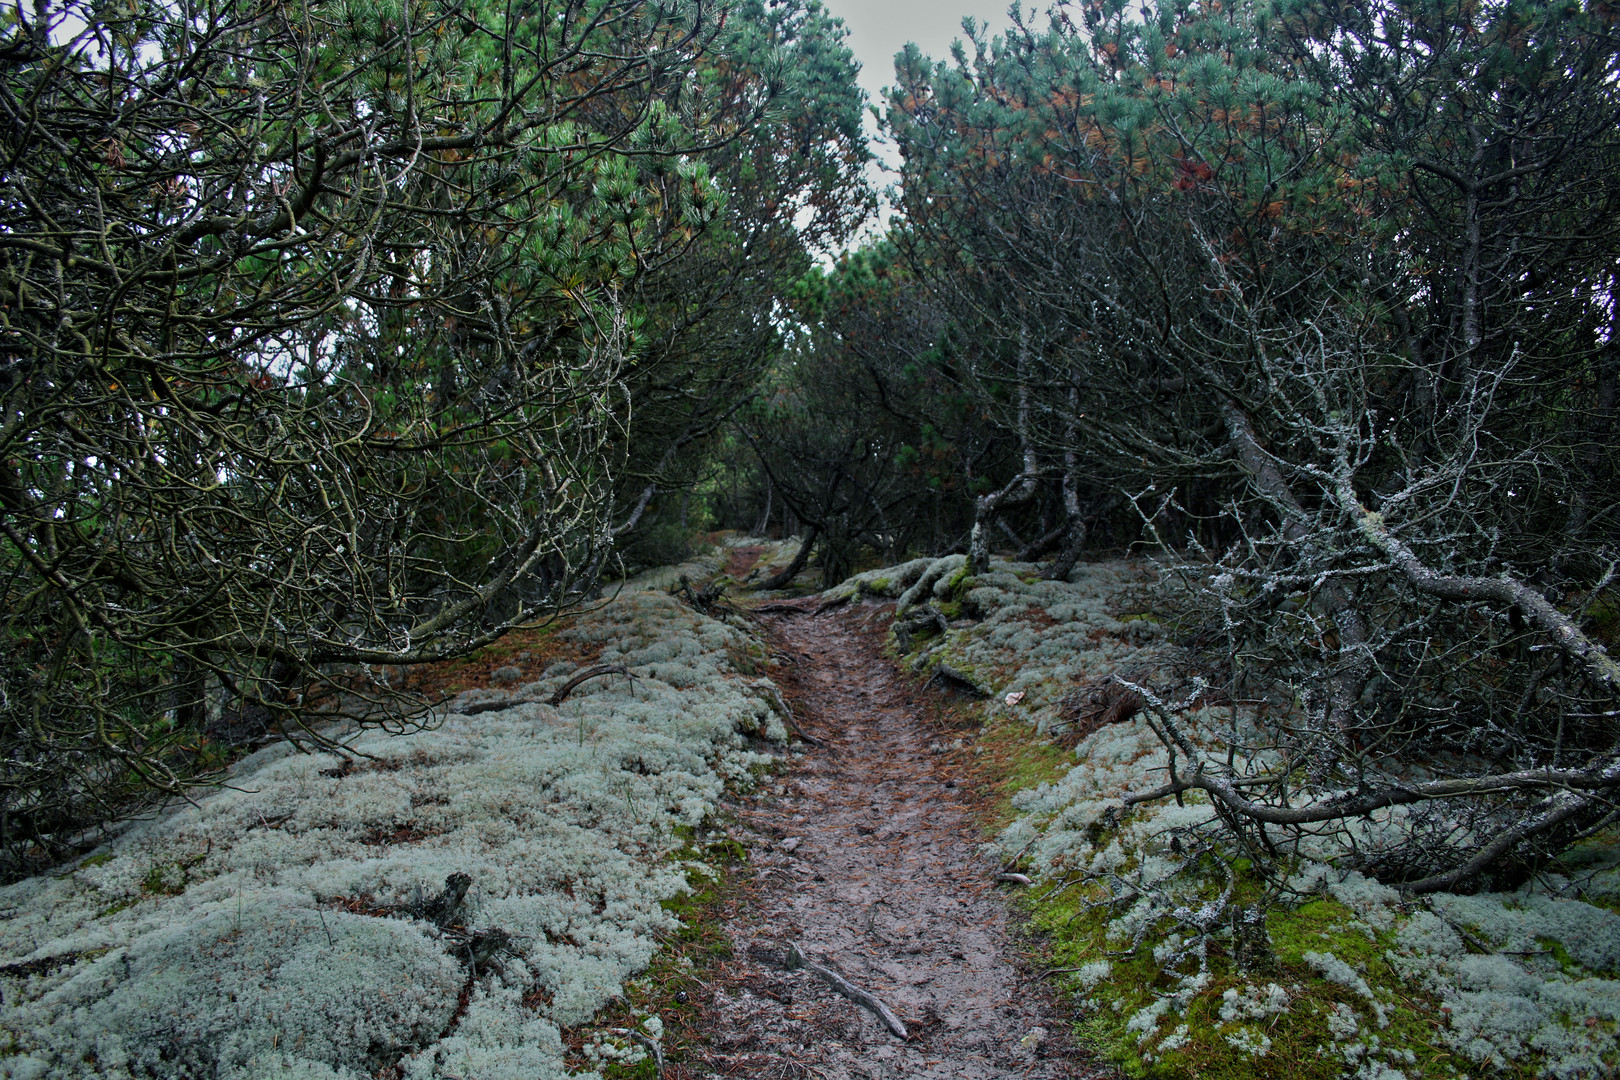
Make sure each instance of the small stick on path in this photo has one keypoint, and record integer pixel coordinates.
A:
(785, 711)
(797, 960)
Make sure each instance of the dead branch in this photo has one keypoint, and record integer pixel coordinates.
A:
(494, 706)
(589, 673)
(796, 960)
(833, 604)
(554, 700)
(785, 577)
(1567, 795)
(1505, 592)
(785, 711)
(1332, 809)
(652, 1046)
(919, 620)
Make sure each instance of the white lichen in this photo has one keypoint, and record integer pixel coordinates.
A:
(268, 930)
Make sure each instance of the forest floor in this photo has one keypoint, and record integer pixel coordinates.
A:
(868, 855)
(648, 854)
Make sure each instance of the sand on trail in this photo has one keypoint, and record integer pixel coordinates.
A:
(867, 853)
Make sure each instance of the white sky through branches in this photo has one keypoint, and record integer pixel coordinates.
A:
(880, 28)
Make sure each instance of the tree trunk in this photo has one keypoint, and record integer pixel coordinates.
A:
(1018, 490)
(764, 521)
(780, 581)
(1074, 534)
(1355, 661)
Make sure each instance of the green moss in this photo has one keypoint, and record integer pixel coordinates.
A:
(1077, 934)
(875, 587)
(673, 986)
(646, 1069)
(1014, 758)
(95, 860)
(166, 879)
(959, 582)
(1320, 926)
(1566, 963)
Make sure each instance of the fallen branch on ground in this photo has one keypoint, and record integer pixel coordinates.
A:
(589, 673)
(705, 599)
(796, 960)
(493, 706)
(652, 1046)
(835, 602)
(555, 699)
(785, 710)
(1568, 794)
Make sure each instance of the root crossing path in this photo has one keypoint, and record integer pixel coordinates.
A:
(867, 857)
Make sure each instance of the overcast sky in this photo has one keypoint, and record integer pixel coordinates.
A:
(880, 28)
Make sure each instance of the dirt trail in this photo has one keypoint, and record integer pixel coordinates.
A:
(867, 855)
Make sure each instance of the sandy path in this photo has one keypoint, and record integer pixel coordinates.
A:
(867, 855)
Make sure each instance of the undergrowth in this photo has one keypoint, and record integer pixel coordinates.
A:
(1305, 972)
(307, 922)
(664, 1003)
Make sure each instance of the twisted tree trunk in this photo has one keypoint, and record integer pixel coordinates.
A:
(1018, 489)
(781, 580)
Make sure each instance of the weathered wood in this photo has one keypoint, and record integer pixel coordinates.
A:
(589, 673)
(917, 619)
(791, 571)
(781, 607)
(797, 960)
(441, 910)
(835, 602)
(786, 712)
(652, 1046)
(555, 699)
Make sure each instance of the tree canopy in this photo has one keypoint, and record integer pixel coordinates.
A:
(1317, 300)
(333, 332)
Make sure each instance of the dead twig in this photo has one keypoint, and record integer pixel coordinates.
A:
(555, 699)
(652, 1047)
(785, 711)
(493, 706)
(830, 605)
(796, 960)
